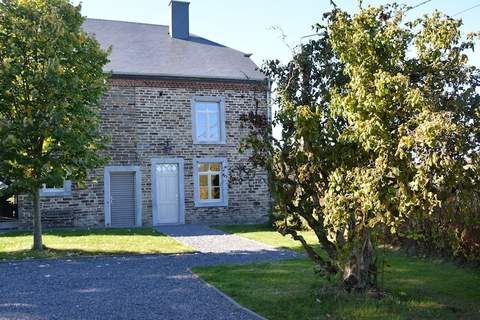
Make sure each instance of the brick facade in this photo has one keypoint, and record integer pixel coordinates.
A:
(142, 117)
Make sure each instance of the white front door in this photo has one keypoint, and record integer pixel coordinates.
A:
(167, 193)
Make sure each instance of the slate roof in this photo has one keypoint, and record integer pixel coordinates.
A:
(148, 50)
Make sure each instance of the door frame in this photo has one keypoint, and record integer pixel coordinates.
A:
(138, 192)
(181, 188)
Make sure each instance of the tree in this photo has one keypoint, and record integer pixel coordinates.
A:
(379, 127)
(51, 81)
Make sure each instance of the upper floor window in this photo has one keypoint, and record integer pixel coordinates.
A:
(208, 119)
(64, 190)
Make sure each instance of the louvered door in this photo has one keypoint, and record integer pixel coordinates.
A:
(122, 199)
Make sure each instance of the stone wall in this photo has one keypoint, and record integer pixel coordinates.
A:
(142, 116)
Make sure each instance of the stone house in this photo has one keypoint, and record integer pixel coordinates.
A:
(173, 114)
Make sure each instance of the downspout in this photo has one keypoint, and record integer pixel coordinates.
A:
(269, 101)
(270, 119)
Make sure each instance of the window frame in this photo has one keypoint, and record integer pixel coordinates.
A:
(223, 201)
(66, 191)
(221, 104)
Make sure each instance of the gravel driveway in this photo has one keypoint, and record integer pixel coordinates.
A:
(208, 240)
(132, 287)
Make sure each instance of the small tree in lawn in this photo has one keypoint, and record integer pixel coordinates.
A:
(380, 126)
(51, 81)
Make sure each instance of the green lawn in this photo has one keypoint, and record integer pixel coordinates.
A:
(67, 243)
(264, 233)
(416, 288)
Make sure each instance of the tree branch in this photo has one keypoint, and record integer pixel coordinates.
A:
(312, 254)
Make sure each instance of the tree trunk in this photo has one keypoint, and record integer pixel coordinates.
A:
(360, 271)
(37, 222)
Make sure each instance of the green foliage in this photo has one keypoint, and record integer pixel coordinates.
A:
(380, 131)
(51, 81)
(415, 115)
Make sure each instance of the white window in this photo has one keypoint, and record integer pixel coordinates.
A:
(57, 191)
(208, 119)
(211, 182)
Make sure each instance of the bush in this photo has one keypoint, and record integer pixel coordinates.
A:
(452, 231)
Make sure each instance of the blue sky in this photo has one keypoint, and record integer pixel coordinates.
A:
(250, 25)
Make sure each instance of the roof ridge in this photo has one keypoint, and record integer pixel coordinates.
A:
(166, 26)
(136, 46)
(134, 22)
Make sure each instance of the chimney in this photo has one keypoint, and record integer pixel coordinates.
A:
(179, 26)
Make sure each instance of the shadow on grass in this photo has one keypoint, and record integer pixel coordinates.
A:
(244, 228)
(51, 253)
(87, 232)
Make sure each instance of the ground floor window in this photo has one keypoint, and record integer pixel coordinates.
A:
(64, 190)
(210, 182)
(8, 208)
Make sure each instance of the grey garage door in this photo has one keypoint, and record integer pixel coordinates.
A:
(122, 197)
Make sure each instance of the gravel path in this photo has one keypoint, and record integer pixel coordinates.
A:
(131, 287)
(207, 240)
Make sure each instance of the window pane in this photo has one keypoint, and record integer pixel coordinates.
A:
(203, 180)
(201, 106)
(216, 180)
(202, 134)
(52, 186)
(212, 106)
(201, 126)
(213, 126)
(216, 193)
(203, 167)
(203, 193)
(215, 167)
(166, 168)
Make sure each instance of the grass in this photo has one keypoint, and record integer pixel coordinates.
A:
(263, 233)
(416, 288)
(68, 243)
